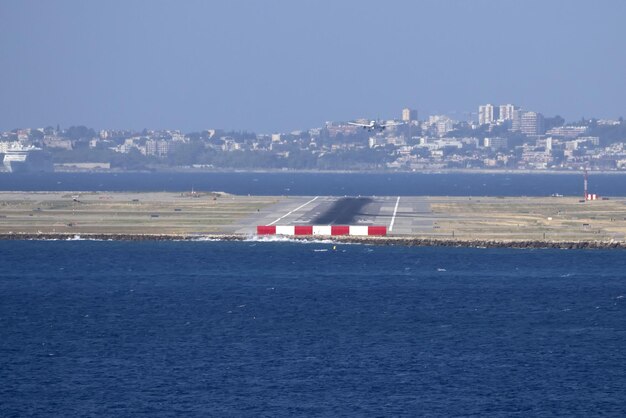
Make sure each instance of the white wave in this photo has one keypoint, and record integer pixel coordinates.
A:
(74, 238)
(209, 239)
(77, 237)
(279, 238)
(44, 239)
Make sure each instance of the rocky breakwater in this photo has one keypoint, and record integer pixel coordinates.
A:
(121, 237)
(370, 240)
(429, 242)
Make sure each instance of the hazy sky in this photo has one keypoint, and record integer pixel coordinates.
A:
(283, 65)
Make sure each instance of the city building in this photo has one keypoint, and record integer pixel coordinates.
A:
(375, 142)
(568, 132)
(343, 129)
(496, 143)
(4, 146)
(409, 115)
(53, 141)
(396, 140)
(516, 120)
(506, 112)
(487, 114)
(157, 147)
(593, 141)
(531, 123)
(444, 125)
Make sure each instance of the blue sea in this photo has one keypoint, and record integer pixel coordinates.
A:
(325, 184)
(230, 329)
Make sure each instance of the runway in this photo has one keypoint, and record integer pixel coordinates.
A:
(466, 218)
(401, 215)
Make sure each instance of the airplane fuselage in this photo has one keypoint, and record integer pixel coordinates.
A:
(372, 126)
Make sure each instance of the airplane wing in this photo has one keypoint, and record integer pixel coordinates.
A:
(358, 124)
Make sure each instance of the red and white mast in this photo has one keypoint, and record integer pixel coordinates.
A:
(586, 195)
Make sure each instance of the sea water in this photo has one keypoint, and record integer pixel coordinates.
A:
(325, 184)
(102, 328)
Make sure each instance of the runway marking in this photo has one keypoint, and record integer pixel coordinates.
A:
(393, 218)
(296, 209)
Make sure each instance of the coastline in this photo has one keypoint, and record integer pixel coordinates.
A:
(372, 171)
(380, 241)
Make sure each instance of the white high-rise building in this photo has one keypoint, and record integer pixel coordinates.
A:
(374, 141)
(409, 115)
(506, 112)
(487, 114)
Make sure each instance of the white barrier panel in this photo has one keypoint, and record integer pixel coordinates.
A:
(321, 230)
(285, 230)
(359, 230)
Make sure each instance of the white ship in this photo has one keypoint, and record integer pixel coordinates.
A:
(19, 159)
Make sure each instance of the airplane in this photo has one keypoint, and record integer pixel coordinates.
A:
(374, 125)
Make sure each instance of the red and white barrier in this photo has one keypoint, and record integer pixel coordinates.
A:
(322, 230)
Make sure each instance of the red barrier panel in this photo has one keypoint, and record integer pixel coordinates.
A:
(334, 230)
(266, 230)
(377, 230)
(339, 230)
(303, 230)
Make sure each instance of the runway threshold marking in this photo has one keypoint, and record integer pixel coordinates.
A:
(295, 210)
(393, 218)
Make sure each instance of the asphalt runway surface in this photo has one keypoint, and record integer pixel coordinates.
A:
(343, 211)
(401, 215)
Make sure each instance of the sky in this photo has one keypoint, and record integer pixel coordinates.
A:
(282, 65)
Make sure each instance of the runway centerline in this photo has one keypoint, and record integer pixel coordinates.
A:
(393, 217)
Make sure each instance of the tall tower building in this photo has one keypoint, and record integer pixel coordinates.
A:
(506, 112)
(487, 114)
(409, 115)
(531, 123)
(516, 120)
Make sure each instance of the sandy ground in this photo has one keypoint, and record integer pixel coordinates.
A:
(125, 213)
(534, 218)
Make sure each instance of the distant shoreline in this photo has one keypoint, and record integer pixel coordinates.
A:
(301, 171)
(380, 241)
